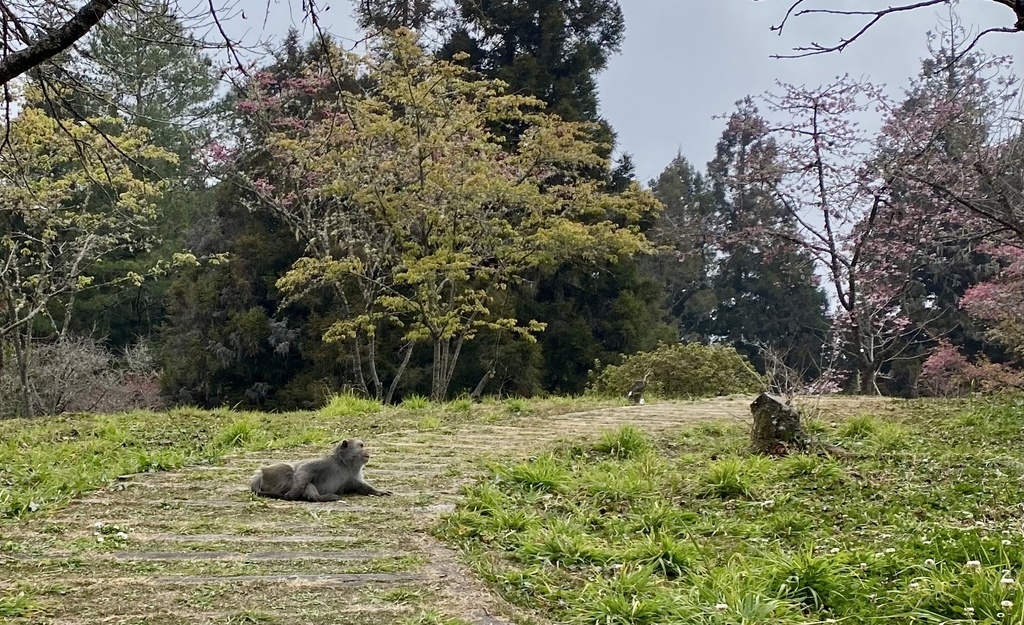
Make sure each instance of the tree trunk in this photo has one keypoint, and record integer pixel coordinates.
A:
(777, 427)
(371, 356)
(867, 380)
(452, 358)
(436, 370)
(21, 352)
(443, 369)
(399, 373)
(357, 365)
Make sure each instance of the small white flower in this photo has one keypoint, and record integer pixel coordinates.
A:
(929, 562)
(968, 610)
(973, 565)
(890, 550)
(98, 524)
(1000, 615)
(122, 535)
(1007, 542)
(1006, 603)
(99, 539)
(914, 585)
(834, 550)
(863, 566)
(879, 554)
(721, 606)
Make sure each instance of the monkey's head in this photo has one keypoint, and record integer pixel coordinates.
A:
(352, 451)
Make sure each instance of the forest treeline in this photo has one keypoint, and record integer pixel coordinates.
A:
(449, 212)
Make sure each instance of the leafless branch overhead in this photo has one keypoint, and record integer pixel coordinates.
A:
(55, 41)
(871, 17)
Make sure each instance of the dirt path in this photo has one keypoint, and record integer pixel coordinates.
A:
(197, 548)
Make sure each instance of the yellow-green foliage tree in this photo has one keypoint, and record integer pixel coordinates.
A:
(424, 194)
(69, 196)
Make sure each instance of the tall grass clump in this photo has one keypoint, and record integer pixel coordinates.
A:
(543, 474)
(415, 402)
(244, 432)
(624, 442)
(729, 478)
(349, 405)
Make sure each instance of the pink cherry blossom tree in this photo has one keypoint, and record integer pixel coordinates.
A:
(953, 154)
(826, 175)
(999, 303)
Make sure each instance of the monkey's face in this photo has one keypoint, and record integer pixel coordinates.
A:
(364, 451)
(354, 451)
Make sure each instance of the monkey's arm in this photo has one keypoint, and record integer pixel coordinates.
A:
(364, 488)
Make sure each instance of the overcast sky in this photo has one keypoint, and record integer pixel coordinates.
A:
(685, 61)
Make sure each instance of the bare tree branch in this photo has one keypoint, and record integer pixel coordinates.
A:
(55, 42)
(874, 17)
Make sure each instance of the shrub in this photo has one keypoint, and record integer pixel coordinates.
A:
(947, 372)
(79, 374)
(681, 371)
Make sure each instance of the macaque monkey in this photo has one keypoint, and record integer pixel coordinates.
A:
(323, 479)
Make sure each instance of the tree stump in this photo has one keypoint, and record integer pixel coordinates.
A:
(777, 427)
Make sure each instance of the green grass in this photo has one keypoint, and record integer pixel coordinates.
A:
(349, 404)
(624, 442)
(20, 604)
(45, 462)
(416, 402)
(921, 523)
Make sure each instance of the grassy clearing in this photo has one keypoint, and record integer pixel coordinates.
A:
(45, 462)
(922, 524)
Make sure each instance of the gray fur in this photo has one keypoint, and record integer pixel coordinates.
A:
(322, 479)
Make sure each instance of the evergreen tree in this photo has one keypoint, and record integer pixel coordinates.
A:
(723, 281)
(595, 314)
(148, 69)
(223, 343)
(380, 15)
(949, 264)
(551, 49)
(225, 339)
(767, 293)
(685, 234)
